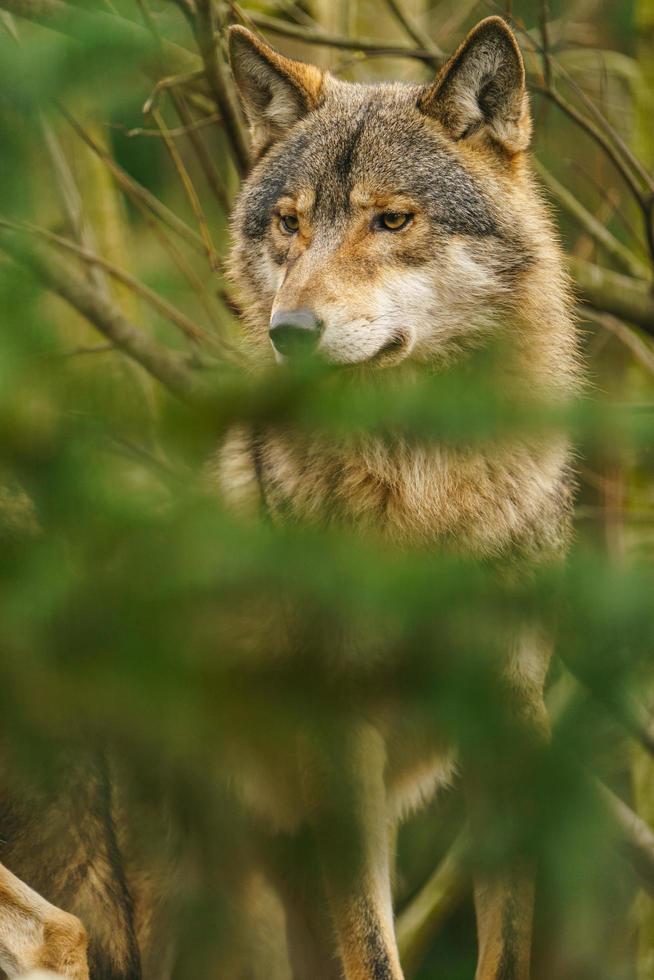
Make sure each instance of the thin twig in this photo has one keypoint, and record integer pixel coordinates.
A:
(595, 133)
(214, 260)
(190, 128)
(135, 190)
(322, 38)
(414, 30)
(83, 351)
(176, 132)
(545, 37)
(596, 229)
(169, 367)
(185, 267)
(190, 329)
(171, 81)
(630, 158)
(222, 85)
(642, 351)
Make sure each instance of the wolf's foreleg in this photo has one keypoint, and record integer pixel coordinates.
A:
(352, 833)
(292, 867)
(499, 797)
(504, 905)
(35, 935)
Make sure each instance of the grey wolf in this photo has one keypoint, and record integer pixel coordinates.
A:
(388, 228)
(394, 228)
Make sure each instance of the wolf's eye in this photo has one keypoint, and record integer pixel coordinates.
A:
(290, 223)
(393, 220)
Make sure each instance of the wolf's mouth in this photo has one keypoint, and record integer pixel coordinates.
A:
(393, 346)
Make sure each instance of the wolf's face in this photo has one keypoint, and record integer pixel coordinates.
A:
(383, 222)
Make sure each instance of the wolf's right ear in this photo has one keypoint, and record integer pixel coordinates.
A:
(481, 91)
(276, 91)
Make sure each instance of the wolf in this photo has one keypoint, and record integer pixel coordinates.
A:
(392, 229)
(387, 229)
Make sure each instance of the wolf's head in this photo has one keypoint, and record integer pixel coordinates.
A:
(386, 222)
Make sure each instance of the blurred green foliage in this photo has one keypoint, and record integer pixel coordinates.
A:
(123, 589)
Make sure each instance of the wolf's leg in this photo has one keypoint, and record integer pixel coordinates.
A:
(36, 935)
(504, 906)
(499, 790)
(352, 834)
(292, 867)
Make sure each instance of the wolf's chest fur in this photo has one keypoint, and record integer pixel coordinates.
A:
(511, 498)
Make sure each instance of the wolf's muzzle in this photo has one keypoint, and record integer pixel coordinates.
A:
(295, 333)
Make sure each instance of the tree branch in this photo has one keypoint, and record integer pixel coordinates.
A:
(611, 292)
(595, 133)
(173, 370)
(135, 190)
(623, 256)
(635, 837)
(190, 329)
(322, 38)
(221, 85)
(422, 918)
(414, 30)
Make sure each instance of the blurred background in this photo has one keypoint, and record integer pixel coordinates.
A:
(123, 588)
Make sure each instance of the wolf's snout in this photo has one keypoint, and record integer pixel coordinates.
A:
(295, 333)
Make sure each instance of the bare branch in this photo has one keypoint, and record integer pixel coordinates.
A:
(175, 132)
(190, 330)
(626, 298)
(190, 128)
(623, 256)
(173, 370)
(414, 30)
(322, 38)
(642, 351)
(545, 38)
(630, 158)
(135, 190)
(636, 839)
(423, 917)
(222, 85)
(171, 81)
(191, 193)
(601, 138)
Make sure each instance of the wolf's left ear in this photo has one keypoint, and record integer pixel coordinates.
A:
(276, 91)
(481, 90)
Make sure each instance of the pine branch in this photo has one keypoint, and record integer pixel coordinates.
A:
(83, 24)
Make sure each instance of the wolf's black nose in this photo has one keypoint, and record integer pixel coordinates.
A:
(295, 332)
